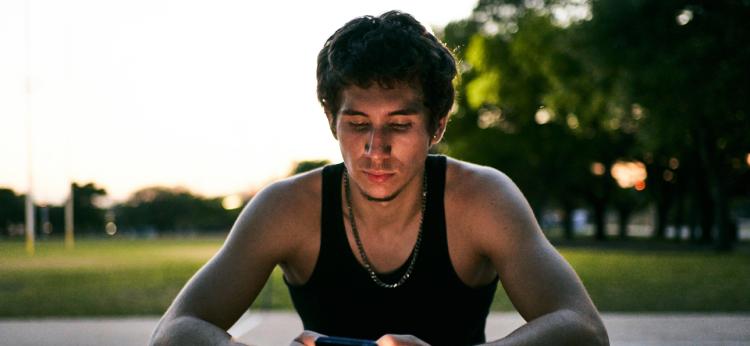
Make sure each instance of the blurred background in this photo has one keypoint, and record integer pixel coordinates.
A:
(132, 133)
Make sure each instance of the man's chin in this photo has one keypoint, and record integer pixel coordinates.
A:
(379, 195)
(387, 198)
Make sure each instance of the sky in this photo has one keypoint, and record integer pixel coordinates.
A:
(215, 96)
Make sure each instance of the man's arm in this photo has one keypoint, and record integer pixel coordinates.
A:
(539, 282)
(227, 285)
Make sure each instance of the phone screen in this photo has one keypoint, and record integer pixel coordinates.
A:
(339, 341)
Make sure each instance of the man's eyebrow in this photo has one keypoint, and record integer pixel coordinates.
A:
(349, 111)
(410, 110)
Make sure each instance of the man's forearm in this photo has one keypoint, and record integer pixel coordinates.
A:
(188, 330)
(564, 327)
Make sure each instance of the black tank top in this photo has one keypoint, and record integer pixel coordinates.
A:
(340, 298)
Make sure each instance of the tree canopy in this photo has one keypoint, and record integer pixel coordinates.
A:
(557, 94)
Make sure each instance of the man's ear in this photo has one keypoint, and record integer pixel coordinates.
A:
(332, 124)
(439, 131)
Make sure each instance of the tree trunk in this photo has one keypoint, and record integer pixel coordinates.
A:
(722, 220)
(660, 224)
(599, 222)
(692, 204)
(706, 216)
(623, 218)
(568, 222)
(679, 222)
(692, 219)
(710, 165)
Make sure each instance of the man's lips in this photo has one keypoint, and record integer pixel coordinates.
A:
(378, 177)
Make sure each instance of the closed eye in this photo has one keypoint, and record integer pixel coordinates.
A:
(401, 126)
(359, 126)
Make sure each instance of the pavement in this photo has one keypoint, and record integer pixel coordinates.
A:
(279, 328)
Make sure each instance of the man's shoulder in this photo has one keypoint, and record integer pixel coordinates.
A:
(286, 204)
(482, 198)
(298, 192)
(471, 183)
(277, 221)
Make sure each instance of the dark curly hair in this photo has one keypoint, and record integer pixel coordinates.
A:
(390, 49)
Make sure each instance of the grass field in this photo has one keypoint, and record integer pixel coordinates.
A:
(115, 277)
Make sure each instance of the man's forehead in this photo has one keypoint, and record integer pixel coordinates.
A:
(400, 95)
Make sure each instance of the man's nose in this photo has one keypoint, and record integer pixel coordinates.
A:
(378, 144)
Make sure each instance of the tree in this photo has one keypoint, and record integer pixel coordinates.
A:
(530, 105)
(173, 210)
(308, 165)
(549, 100)
(686, 64)
(11, 209)
(87, 215)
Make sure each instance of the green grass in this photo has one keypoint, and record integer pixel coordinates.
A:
(116, 277)
(659, 281)
(665, 281)
(98, 277)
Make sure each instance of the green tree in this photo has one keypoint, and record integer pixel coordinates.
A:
(173, 210)
(11, 209)
(307, 165)
(685, 62)
(87, 215)
(530, 105)
(547, 100)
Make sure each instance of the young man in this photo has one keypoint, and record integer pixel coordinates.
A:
(393, 245)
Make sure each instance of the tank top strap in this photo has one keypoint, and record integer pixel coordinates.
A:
(331, 196)
(433, 258)
(435, 166)
(333, 240)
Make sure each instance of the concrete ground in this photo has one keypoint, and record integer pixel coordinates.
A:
(279, 328)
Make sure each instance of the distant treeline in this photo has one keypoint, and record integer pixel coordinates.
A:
(147, 211)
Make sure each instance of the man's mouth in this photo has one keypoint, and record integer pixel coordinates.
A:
(378, 177)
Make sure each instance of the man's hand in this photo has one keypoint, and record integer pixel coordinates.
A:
(307, 338)
(400, 340)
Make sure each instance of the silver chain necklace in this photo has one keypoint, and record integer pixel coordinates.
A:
(361, 248)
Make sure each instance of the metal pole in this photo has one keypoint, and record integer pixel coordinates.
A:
(29, 222)
(69, 238)
(30, 192)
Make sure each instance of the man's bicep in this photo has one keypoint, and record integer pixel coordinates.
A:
(226, 286)
(535, 276)
(539, 281)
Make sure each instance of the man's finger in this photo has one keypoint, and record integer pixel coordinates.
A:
(307, 338)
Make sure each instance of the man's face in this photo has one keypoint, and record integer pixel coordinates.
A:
(383, 138)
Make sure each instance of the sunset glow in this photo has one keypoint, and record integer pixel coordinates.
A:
(218, 97)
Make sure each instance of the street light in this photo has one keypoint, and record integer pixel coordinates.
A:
(30, 192)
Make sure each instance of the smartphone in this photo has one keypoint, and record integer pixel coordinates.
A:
(339, 341)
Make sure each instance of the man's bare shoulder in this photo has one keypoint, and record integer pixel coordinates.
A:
(282, 209)
(294, 192)
(475, 185)
(490, 206)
